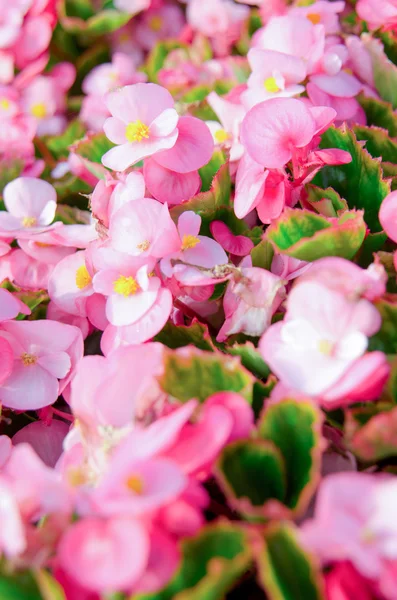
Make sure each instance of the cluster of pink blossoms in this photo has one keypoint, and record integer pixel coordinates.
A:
(198, 301)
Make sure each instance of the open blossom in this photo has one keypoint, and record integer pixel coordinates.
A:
(45, 354)
(322, 336)
(378, 14)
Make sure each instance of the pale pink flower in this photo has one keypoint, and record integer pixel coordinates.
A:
(194, 249)
(70, 284)
(169, 186)
(321, 11)
(250, 301)
(105, 554)
(31, 205)
(227, 132)
(388, 215)
(158, 23)
(144, 228)
(44, 353)
(12, 532)
(11, 306)
(108, 76)
(378, 13)
(143, 122)
(322, 336)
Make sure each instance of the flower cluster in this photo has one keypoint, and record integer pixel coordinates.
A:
(198, 299)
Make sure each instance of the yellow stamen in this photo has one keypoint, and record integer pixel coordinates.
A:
(156, 23)
(76, 476)
(135, 484)
(189, 241)
(4, 104)
(325, 347)
(125, 286)
(29, 221)
(271, 85)
(83, 278)
(136, 131)
(28, 359)
(221, 136)
(305, 2)
(42, 245)
(143, 246)
(39, 110)
(315, 18)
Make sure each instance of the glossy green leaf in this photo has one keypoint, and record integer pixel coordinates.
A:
(377, 142)
(179, 336)
(192, 373)
(59, 144)
(20, 586)
(212, 562)
(285, 570)
(326, 202)
(294, 427)
(250, 358)
(386, 338)
(379, 113)
(262, 255)
(88, 23)
(159, 53)
(309, 236)
(9, 170)
(93, 146)
(360, 182)
(251, 473)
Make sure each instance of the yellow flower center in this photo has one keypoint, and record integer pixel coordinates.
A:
(305, 2)
(326, 347)
(189, 241)
(156, 23)
(271, 85)
(143, 246)
(29, 221)
(315, 18)
(43, 245)
(136, 131)
(76, 476)
(221, 136)
(39, 110)
(83, 278)
(135, 484)
(28, 359)
(125, 286)
(4, 104)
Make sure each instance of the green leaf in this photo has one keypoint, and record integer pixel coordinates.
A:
(378, 142)
(9, 170)
(212, 562)
(192, 373)
(250, 359)
(93, 146)
(33, 299)
(359, 182)
(326, 202)
(384, 71)
(294, 427)
(386, 338)
(88, 23)
(251, 472)
(20, 586)
(179, 336)
(70, 185)
(379, 113)
(285, 570)
(59, 144)
(308, 236)
(262, 255)
(208, 172)
(389, 44)
(376, 439)
(198, 93)
(50, 589)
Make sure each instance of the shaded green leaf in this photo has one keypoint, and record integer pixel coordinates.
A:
(384, 71)
(286, 571)
(295, 429)
(212, 562)
(262, 255)
(208, 172)
(379, 113)
(326, 202)
(377, 142)
(386, 338)
(178, 336)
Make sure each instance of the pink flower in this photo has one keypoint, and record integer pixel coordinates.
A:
(144, 228)
(321, 11)
(227, 132)
(45, 439)
(31, 205)
(11, 306)
(322, 336)
(143, 123)
(378, 13)
(345, 583)
(104, 555)
(106, 77)
(169, 186)
(194, 250)
(44, 353)
(388, 215)
(352, 522)
(70, 284)
(295, 35)
(159, 23)
(274, 74)
(273, 130)
(238, 245)
(12, 533)
(250, 301)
